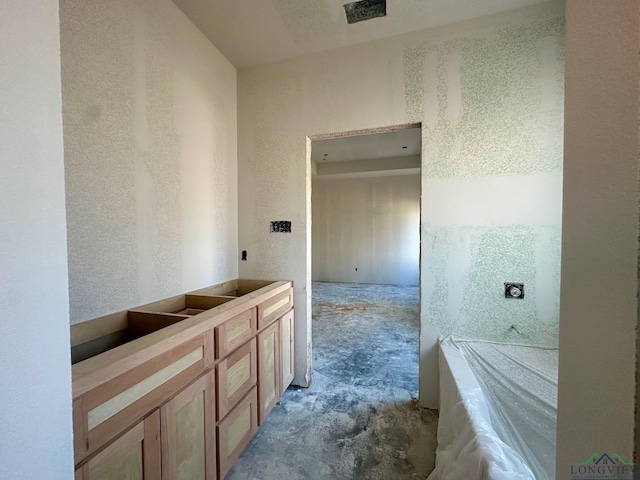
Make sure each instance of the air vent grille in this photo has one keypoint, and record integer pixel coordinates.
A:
(365, 10)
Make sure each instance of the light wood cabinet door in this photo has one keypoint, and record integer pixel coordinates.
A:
(287, 335)
(188, 432)
(235, 431)
(268, 370)
(134, 456)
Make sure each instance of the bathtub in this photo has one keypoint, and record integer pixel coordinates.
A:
(498, 406)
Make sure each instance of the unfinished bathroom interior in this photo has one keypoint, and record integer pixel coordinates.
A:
(158, 166)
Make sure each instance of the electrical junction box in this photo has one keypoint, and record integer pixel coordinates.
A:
(514, 290)
(282, 226)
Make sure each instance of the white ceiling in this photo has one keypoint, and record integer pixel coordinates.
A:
(251, 32)
(367, 147)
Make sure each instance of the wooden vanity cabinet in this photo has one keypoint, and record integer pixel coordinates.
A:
(175, 389)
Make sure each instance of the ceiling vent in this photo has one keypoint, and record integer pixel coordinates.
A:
(365, 10)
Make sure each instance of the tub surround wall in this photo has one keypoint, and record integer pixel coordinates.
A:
(489, 95)
(149, 109)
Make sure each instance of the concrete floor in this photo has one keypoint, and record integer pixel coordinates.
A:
(359, 419)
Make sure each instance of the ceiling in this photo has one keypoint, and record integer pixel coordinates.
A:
(252, 32)
(367, 147)
(373, 155)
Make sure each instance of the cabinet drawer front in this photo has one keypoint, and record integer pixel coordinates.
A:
(235, 431)
(235, 332)
(106, 411)
(268, 370)
(274, 307)
(236, 375)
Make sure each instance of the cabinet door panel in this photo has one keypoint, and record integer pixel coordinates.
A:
(134, 456)
(287, 332)
(268, 370)
(188, 433)
(235, 431)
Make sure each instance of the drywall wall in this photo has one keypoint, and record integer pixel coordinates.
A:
(150, 155)
(489, 95)
(35, 365)
(366, 230)
(599, 306)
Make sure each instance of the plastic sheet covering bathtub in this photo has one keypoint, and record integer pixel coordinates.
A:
(498, 407)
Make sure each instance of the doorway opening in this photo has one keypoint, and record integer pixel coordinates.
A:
(365, 256)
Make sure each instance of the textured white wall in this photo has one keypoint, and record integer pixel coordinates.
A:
(150, 123)
(489, 95)
(35, 365)
(372, 224)
(599, 307)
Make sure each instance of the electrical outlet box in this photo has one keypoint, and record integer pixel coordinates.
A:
(514, 290)
(282, 226)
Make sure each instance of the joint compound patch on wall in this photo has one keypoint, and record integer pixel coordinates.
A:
(492, 111)
(482, 99)
(466, 291)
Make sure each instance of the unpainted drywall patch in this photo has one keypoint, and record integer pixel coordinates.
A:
(468, 266)
(414, 61)
(498, 119)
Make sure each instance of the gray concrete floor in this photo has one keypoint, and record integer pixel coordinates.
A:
(359, 419)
